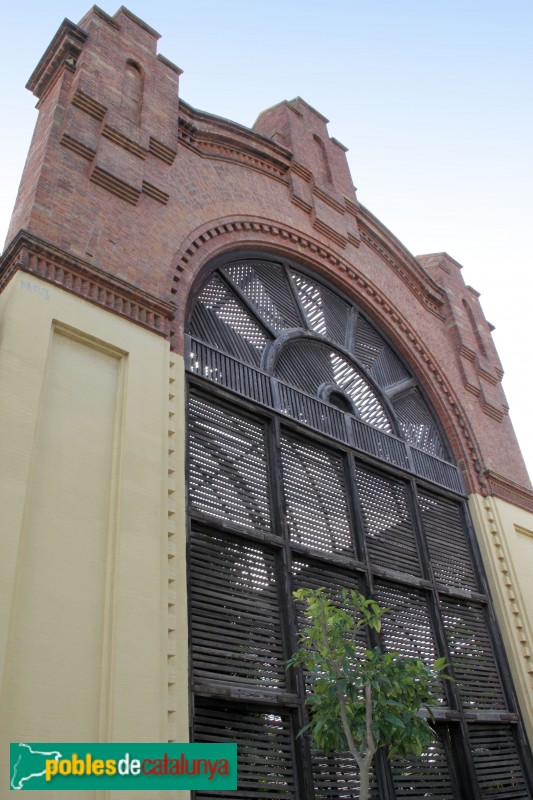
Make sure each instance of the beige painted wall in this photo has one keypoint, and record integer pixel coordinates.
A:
(505, 535)
(93, 628)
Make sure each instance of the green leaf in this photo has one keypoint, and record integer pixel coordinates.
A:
(338, 670)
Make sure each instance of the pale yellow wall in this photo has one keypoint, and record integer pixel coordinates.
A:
(93, 628)
(505, 535)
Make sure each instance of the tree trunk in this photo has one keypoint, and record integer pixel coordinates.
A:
(364, 786)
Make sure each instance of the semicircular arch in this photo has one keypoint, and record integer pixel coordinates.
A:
(207, 249)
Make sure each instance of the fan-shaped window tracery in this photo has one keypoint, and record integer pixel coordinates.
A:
(277, 322)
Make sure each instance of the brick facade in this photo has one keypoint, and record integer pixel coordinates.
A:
(129, 199)
(136, 207)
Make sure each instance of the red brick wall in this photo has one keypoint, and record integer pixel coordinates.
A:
(152, 202)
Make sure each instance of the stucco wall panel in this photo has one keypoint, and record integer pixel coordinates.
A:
(84, 425)
(60, 587)
(505, 536)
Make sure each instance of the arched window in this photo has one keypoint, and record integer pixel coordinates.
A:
(323, 159)
(132, 94)
(315, 460)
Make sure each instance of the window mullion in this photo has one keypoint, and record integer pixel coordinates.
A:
(295, 678)
(237, 291)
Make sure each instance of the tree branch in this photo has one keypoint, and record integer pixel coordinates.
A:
(337, 666)
(346, 727)
(370, 744)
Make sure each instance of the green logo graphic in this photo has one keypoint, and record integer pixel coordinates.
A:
(123, 766)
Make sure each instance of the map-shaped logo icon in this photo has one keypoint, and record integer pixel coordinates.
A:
(29, 763)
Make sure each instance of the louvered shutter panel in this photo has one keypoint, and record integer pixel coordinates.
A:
(334, 776)
(241, 608)
(446, 537)
(309, 365)
(326, 313)
(375, 355)
(310, 574)
(417, 423)
(337, 777)
(390, 536)
(315, 496)
(368, 343)
(407, 628)
(425, 776)
(264, 286)
(264, 749)
(313, 412)
(235, 615)
(368, 405)
(227, 466)
(499, 771)
(474, 665)
(306, 365)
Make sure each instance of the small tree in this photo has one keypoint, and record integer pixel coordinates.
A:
(361, 699)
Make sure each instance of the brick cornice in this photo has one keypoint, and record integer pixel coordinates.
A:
(30, 254)
(505, 489)
(210, 136)
(63, 51)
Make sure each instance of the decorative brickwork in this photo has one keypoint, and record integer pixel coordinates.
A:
(243, 232)
(124, 205)
(418, 282)
(477, 358)
(227, 141)
(513, 493)
(32, 255)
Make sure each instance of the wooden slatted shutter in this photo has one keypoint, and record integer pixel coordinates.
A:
(498, 768)
(425, 777)
(219, 319)
(390, 535)
(474, 665)
(373, 353)
(312, 574)
(326, 313)
(303, 369)
(310, 365)
(264, 286)
(250, 300)
(338, 505)
(315, 496)
(408, 628)
(336, 775)
(227, 470)
(265, 755)
(417, 423)
(235, 616)
(449, 550)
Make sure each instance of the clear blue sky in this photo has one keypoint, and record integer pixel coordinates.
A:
(433, 99)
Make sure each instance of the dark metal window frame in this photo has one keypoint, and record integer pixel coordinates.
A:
(453, 719)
